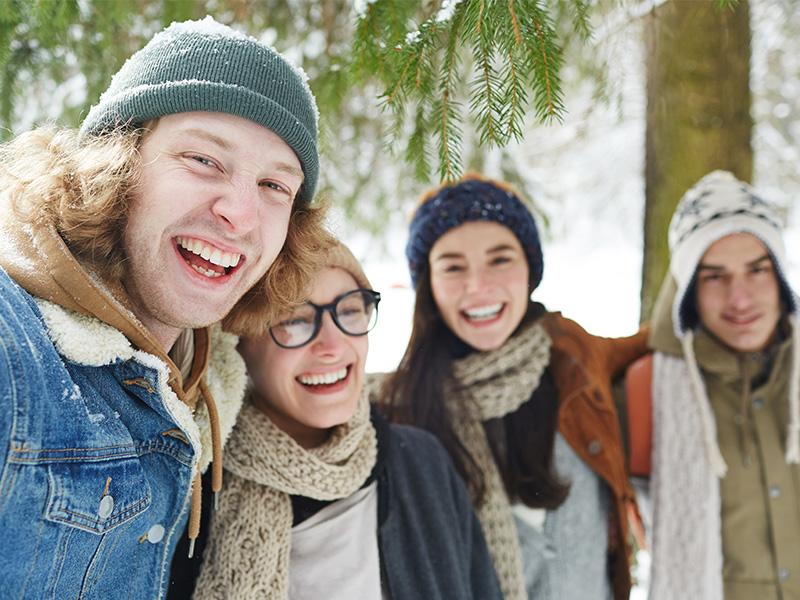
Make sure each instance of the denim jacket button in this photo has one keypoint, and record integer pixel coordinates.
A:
(106, 506)
(156, 534)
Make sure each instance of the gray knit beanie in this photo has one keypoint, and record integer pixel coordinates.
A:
(207, 66)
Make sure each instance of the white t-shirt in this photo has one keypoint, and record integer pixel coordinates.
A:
(335, 552)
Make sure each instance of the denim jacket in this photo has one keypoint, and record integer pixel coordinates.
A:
(97, 453)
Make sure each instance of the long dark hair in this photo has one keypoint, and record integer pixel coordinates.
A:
(521, 442)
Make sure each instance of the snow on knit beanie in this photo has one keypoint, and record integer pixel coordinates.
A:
(717, 206)
(472, 199)
(206, 66)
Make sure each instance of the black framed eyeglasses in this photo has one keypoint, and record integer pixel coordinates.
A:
(355, 313)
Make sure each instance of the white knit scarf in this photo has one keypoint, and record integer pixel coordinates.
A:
(499, 382)
(686, 467)
(687, 538)
(248, 549)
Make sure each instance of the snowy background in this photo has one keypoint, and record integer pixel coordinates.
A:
(587, 173)
(589, 176)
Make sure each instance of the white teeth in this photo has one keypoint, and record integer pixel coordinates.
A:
(214, 256)
(484, 312)
(323, 378)
(206, 272)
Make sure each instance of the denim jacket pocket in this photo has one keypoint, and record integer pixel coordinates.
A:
(97, 496)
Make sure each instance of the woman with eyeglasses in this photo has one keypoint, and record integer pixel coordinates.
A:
(321, 496)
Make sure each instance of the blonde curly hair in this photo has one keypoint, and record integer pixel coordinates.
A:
(83, 185)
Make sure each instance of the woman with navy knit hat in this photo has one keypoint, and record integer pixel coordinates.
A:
(520, 397)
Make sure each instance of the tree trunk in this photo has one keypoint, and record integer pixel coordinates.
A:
(698, 114)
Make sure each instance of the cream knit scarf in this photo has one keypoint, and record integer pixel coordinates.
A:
(499, 382)
(687, 542)
(248, 549)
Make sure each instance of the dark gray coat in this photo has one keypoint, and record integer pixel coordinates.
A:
(430, 540)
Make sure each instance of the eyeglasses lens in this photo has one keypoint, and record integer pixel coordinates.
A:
(297, 329)
(356, 313)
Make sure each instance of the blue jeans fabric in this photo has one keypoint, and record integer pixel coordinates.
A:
(95, 475)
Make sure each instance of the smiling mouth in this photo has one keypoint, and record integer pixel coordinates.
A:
(318, 380)
(206, 259)
(483, 313)
(742, 321)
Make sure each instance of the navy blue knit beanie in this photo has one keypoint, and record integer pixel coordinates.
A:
(207, 66)
(472, 199)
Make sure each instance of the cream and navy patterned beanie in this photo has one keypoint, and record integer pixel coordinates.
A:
(207, 66)
(716, 206)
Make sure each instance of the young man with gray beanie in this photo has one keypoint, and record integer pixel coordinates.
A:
(725, 483)
(185, 196)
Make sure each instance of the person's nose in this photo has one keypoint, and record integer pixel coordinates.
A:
(478, 281)
(330, 339)
(237, 206)
(740, 295)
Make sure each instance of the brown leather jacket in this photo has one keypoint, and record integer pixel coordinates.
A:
(583, 366)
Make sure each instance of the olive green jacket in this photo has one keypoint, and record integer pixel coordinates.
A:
(760, 494)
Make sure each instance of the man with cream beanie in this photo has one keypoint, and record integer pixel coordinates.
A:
(725, 482)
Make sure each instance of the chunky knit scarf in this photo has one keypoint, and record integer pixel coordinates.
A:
(248, 550)
(687, 542)
(498, 382)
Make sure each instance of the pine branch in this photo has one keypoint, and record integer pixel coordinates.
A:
(485, 95)
(417, 153)
(512, 51)
(546, 68)
(449, 154)
(514, 22)
(580, 20)
(515, 99)
(450, 133)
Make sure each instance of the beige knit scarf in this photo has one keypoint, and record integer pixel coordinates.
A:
(248, 550)
(499, 382)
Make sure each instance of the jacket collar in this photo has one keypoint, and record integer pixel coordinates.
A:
(86, 340)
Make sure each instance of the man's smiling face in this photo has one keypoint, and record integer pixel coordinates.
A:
(207, 218)
(738, 295)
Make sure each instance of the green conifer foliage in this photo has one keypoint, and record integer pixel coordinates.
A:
(485, 61)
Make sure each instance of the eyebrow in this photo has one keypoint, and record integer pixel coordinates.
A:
(752, 263)
(208, 136)
(289, 169)
(494, 250)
